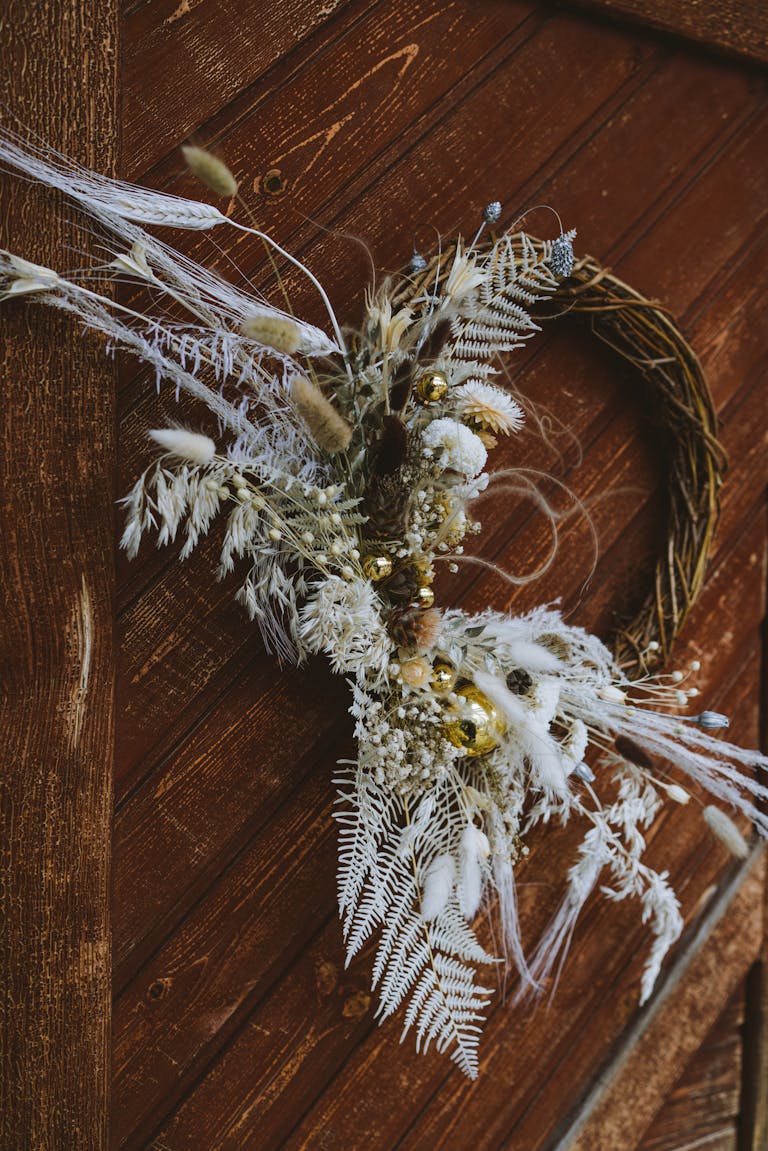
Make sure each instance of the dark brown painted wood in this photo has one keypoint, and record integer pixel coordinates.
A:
(738, 26)
(56, 520)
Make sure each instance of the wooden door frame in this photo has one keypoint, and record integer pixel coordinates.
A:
(60, 77)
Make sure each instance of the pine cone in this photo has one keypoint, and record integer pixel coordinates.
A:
(386, 506)
(402, 585)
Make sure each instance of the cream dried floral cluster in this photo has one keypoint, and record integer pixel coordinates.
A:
(345, 468)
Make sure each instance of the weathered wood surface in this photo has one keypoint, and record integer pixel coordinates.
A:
(739, 26)
(236, 1025)
(56, 522)
(705, 1105)
(655, 1050)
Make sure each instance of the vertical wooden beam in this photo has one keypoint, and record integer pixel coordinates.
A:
(59, 76)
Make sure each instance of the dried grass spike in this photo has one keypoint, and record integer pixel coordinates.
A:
(329, 431)
(274, 331)
(209, 170)
(723, 827)
(193, 447)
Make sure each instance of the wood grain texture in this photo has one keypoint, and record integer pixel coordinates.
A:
(704, 1106)
(56, 519)
(654, 1053)
(236, 1025)
(739, 26)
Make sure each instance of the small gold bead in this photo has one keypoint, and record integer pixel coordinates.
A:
(432, 387)
(425, 597)
(377, 567)
(443, 677)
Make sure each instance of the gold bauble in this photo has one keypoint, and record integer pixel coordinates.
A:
(474, 722)
(377, 567)
(425, 597)
(443, 677)
(432, 387)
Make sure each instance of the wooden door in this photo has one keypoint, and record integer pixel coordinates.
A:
(234, 1022)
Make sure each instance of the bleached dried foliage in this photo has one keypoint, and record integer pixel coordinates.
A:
(337, 478)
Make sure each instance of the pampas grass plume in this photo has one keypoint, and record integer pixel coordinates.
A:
(209, 170)
(329, 431)
(192, 447)
(722, 826)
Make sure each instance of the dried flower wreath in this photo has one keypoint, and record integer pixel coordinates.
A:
(346, 467)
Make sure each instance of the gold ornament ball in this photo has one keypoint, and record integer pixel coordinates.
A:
(443, 677)
(475, 724)
(377, 567)
(425, 597)
(432, 387)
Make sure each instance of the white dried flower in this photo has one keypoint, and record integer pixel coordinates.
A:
(464, 278)
(342, 619)
(457, 448)
(192, 447)
(489, 407)
(415, 672)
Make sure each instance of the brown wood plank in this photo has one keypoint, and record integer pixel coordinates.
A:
(704, 1105)
(739, 26)
(56, 521)
(181, 58)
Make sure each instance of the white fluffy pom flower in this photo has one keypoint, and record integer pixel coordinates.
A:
(456, 447)
(342, 619)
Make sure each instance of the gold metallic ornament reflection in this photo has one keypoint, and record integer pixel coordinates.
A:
(443, 677)
(377, 567)
(475, 724)
(425, 597)
(432, 387)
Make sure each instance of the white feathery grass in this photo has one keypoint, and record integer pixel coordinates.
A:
(100, 195)
(474, 849)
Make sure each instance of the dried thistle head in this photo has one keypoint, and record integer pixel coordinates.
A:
(209, 170)
(415, 629)
(488, 409)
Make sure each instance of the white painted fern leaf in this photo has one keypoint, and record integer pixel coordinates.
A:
(518, 275)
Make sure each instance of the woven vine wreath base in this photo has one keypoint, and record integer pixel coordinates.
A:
(644, 335)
